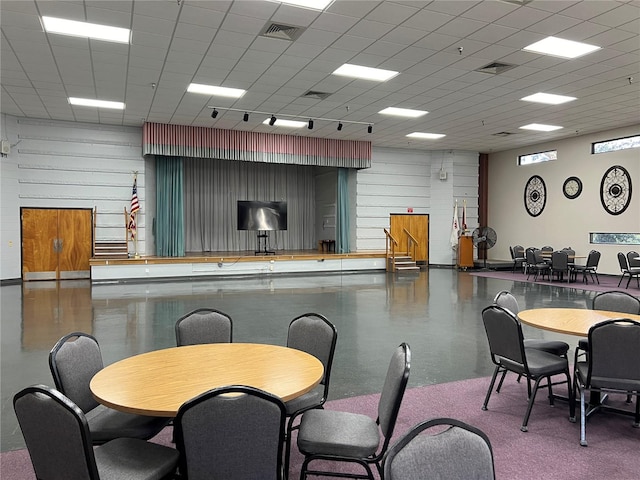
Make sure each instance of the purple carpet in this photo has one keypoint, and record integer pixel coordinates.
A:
(550, 449)
(607, 282)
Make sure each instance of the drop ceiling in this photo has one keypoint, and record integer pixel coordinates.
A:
(437, 46)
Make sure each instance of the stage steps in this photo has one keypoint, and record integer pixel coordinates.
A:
(404, 264)
(111, 250)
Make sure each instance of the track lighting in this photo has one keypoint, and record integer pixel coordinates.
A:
(339, 126)
(370, 129)
(310, 127)
(214, 114)
(245, 117)
(272, 120)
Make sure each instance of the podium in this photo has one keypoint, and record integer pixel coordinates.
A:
(465, 252)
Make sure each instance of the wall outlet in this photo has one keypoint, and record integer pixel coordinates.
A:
(5, 147)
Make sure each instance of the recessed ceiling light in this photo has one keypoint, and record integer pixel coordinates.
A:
(88, 102)
(403, 112)
(88, 30)
(286, 123)
(313, 4)
(540, 127)
(559, 47)
(429, 136)
(548, 98)
(365, 73)
(217, 91)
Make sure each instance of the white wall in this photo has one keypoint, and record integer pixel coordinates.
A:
(400, 179)
(563, 222)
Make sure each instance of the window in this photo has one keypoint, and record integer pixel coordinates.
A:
(537, 157)
(615, 238)
(616, 144)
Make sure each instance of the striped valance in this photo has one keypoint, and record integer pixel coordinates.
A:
(202, 142)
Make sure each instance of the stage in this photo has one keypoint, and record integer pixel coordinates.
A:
(219, 264)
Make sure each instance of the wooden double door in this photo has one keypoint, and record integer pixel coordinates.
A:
(56, 243)
(418, 226)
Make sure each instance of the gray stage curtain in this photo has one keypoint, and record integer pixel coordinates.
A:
(169, 204)
(342, 220)
(213, 188)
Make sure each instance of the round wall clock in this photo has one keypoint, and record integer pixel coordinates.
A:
(535, 196)
(615, 190)
(572, 187)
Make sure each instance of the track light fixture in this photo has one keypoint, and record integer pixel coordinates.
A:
(273, 118)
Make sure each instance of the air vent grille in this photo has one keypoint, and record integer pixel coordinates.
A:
(282, 31)
(502, 134)
(496, 68)
(315, 94)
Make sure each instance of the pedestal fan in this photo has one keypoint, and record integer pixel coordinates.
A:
(484, 238)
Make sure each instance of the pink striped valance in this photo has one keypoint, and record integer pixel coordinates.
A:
(202, 142)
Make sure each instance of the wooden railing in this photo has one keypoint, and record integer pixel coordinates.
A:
(393, 243)
(411, 242)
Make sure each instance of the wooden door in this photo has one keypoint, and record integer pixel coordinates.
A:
(418, 226)
(56, 243)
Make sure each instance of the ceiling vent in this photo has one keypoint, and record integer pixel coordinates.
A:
(281, 31)
(316, 95)
(518, 2)
(496, 68)
(502, 134)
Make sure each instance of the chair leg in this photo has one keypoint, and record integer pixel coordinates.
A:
(532, 398)
(493, 381)
(583, 420)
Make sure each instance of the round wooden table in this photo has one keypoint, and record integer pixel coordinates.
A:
(571, 321)
(157, 383)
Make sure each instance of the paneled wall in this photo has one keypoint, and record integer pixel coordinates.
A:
(563, 222)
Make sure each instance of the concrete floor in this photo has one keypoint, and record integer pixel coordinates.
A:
(436, 311)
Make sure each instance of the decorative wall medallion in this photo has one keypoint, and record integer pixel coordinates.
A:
(572, 187)
(615, 190)
(535, 196)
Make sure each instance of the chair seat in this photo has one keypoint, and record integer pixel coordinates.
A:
(582, 368)
(583, 344)
(310, 399)
(131, 459)
(106, 424)
(330, 432)
(544, 363)
(551, 346)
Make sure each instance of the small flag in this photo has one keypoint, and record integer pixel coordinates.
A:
(455, 228)
(464, 216)
(135, 205)
(132, 225)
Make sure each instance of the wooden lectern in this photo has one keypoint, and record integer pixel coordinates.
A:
(465, 252)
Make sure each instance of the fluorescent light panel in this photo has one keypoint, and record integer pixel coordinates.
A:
(403, 112)
(286, 123)
(365, 73)
(540, 127)
(87, 30)
(548, 98)
(428, 136)
(89, 102)
(214, 90)
(559, 47)
(313, 4)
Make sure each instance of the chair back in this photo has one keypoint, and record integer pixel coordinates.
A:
(622, 261)
(547, 248)
(231, 433)
(504, 333)
(614, 355)
(537, 256)
(56, 434)
(530, 256)
(518, 250)
(393, 390)
(593, 259)
(633, 260)
(570, 253)
(204, 325)
(73, 362)
(506, 300)
(314, 334)
(427, 451)
(559, 260)
(616, 301)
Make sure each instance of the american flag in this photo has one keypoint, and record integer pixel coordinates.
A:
(135, 206)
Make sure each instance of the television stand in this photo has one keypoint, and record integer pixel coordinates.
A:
(263, 240)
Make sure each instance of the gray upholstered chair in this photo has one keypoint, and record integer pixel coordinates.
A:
(509, 354)
(314, 334)
(517, 255)
(461, 451)
(611, 367)
(231, 433)
(349, 437)
(58, 439)
(73, 361)
(633, 259)
(560, 265)
(626, 270)
(536, 264)
(506, 300)
(590, 267)
(204, 325)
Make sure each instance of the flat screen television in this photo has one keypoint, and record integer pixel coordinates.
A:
(255, 215)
